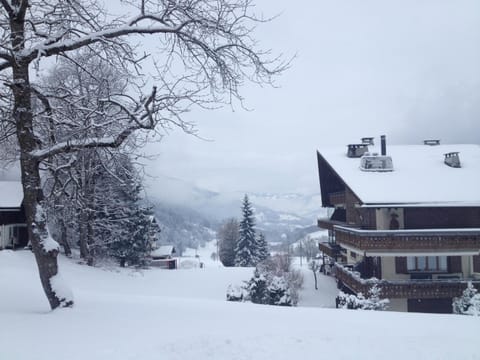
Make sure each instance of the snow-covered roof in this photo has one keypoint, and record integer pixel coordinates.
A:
(163, 250)
(420, 175)
(11, 194)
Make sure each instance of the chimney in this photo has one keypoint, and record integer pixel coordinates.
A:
(383, 145)
(452, 159)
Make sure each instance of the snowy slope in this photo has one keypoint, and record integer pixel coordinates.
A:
(182, 314)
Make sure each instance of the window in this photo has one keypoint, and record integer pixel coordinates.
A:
(427, 263)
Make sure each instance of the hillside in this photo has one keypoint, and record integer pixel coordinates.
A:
(182, 314)
(188, 215)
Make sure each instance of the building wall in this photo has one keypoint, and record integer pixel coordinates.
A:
(353, 257)
(389, 271)
(384, 216)
(398, 305)
(467, 265)
(351, 207)
(442, 218)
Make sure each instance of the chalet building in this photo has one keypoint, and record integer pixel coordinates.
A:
(404, 217)
(13, 227)
(163, 257)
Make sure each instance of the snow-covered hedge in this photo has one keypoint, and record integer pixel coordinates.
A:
(274, 282)
(373, 302)
(468, 303)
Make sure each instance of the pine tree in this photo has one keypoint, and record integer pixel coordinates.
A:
(246, 249)
(227, 237)
(257, 288)
(262, 248)
(126, 226)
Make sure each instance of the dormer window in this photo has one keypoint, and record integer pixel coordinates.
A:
(356, 150)
(375, 162)
(431, 142)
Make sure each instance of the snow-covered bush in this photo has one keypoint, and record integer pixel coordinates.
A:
(373, 302)
(278, 292)
(468, 303)
(274, 282)
(257, 288)
(236, 293)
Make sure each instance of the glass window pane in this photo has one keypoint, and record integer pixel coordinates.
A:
(411, 263)
(422, 262)
(432, 263)
(442, 263)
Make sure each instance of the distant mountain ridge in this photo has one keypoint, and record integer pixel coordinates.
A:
(280, 216)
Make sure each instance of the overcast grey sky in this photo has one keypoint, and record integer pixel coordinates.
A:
(409, 69)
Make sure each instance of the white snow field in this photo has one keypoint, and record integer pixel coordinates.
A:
(182, 314)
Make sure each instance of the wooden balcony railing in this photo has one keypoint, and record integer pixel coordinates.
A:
(405, 240)
(410, 289)
(332, 250)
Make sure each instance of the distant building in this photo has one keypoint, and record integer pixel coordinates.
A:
(163, 257)
(13, 227)
(406, 218)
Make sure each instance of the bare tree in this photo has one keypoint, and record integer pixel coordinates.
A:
(208, 52)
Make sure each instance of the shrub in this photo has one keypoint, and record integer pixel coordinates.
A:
(274, 282)
(468, 303)
(373, 302)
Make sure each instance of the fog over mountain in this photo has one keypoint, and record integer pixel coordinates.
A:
(179, 204)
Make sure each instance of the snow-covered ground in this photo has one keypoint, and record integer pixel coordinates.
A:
(182, 314)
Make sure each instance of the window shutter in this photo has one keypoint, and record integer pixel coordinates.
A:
(455, 264)
(476, 263)
(401, 265)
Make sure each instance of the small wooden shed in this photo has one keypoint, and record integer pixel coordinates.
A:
(13, 226)
(163, 257)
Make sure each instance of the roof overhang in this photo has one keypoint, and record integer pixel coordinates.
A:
(421, 204)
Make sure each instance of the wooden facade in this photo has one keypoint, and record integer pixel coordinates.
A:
(13, 228)
(395, 245)
(418, 289)
(409, 240)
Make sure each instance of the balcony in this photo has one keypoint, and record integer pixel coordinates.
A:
(398, 241)
(331, 249)
(409, 289)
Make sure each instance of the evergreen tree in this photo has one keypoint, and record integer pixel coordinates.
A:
(257, 288)
(262, 248)
(246, 249)
(125, 225)
(227, 237)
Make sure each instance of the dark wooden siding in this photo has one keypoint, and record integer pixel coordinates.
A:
(368, 220)
(438, 306)
(401, 265)
(330, 182)
(454, 264)
(441, 218)
(12, 217)
(353, 212)
(476, 263)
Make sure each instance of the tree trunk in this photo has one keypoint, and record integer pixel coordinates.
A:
(85, 252)
(64, 239)
(45, 253)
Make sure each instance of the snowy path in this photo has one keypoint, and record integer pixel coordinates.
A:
(323, 297)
